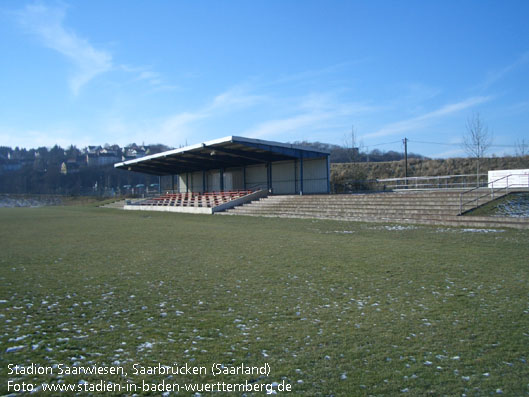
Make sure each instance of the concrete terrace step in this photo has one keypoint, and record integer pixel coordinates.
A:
(425, 205)
(338, 212)
(360, 203)
(363, 202)
(373, 196)
(373, 212)
(403, 207)
(442, 220)
(376, 201)
(361, 198)
(369, 200)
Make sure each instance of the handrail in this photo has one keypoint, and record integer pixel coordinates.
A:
(410, 178)
(462, 181)
(492, 191)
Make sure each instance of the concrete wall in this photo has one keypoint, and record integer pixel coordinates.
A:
(315, 176)
(213, 180)
(256, 177)
(285, 177)
(196, 182)
(233, 179)
(181, 185)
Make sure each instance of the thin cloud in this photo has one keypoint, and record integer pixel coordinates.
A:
(315, 112)
(180, 126)
(421, 121)
(497, 75)
(44, 137)
(286, 125)
(47, 24)
(152, 78)
(309, 75)
(449, 153)
(234, 98)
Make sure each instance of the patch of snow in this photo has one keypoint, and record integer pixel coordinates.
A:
(516, 207)
(146, 345)
(482, 231)
(13, 349)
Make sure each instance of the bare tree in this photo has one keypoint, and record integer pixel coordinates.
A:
(522, 147)
(351, 145)
(477, 140)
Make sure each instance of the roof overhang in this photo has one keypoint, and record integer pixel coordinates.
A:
(232, 151)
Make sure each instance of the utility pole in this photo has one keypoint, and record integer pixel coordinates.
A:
(405, 141)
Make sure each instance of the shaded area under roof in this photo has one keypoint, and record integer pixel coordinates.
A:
(232, 151)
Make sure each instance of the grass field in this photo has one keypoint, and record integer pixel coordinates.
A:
(334, 308)
(513, 205)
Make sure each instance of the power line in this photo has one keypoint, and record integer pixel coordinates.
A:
(453, 144)
(386, 143)
(435, 143)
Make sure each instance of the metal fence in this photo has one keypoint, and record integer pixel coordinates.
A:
(464, 181)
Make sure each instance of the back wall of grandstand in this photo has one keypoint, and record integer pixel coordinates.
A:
(285, 178)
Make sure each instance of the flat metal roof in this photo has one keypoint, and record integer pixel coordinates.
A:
(231, 151)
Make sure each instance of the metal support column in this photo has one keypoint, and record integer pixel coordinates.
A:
(295, 176)
(269, 176)
(328, 175)
(203, 181)
(159, 185)
(221, 171)
(405, 141)
(301, 173)
(244, 177)
(187, 182)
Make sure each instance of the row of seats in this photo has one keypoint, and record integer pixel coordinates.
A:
(208, 199)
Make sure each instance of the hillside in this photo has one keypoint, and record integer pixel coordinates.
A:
(341, 173)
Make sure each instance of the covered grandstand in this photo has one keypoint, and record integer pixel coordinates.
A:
(227, 171)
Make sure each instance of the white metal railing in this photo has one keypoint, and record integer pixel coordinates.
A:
(491, 191)
(435, 182)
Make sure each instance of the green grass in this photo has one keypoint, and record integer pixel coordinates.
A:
(345, 308)
(497, 207)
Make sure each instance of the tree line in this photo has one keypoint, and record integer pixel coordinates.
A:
(67, 172)
(351, 154)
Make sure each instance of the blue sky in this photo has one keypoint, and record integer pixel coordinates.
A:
(177, 72)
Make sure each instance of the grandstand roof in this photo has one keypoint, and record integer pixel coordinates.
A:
(231, 151)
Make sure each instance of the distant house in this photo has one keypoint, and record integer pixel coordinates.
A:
(69, 167)
(99, 159)
(109, 152)
(135, 153)
(93, 149)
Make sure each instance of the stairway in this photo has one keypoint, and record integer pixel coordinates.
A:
(424, 207)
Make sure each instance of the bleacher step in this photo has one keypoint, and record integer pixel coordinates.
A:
(419, 208)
